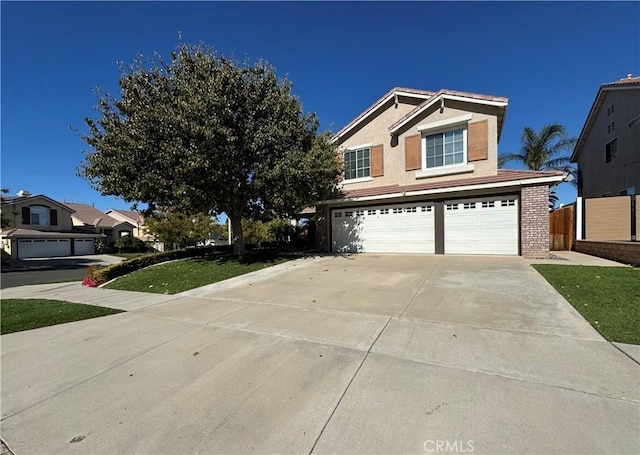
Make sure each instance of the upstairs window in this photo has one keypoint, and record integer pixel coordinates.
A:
(445, 149)
(357, 164)
(39, 215)
(611, 151)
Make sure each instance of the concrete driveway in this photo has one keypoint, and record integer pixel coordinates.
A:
(360, 354)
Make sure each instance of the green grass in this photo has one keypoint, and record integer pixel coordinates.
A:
(182, 275)
(607, 297)
(17, 315)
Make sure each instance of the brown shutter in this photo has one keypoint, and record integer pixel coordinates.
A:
(377, 161)
(26, 215)
(412, 152)
(53, 217)
(478, 147)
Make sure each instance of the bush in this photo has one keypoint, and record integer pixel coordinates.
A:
(129, 244)
(96, 275)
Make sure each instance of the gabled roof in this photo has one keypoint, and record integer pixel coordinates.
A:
(18, 199)
(135, 217)
(400, 91)
(456, 95)
(430, 98)
(626, 83)
(504, 177)
(91, 216)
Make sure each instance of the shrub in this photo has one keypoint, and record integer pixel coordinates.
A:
(90, 276)
(129, 244)
(96, 275)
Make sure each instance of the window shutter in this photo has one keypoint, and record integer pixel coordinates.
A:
(478, 138)
(377, 161)
(26, 215)
(413, 152)
(53, 217)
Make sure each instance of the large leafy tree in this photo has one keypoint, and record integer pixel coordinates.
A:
(206, 133)
(548, 148)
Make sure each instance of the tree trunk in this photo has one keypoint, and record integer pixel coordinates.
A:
(237, 235)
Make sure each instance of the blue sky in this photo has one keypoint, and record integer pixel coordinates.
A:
(548, 58)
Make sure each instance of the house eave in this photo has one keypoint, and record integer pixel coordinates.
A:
(447, 190)
(393, 130)
(368, 112)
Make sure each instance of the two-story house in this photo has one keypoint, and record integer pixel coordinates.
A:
(136, 219)
(608, 149)
(87, 216)
(421, 176)
(38, 226)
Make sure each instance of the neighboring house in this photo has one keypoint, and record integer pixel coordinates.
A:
(135, 218)
(421, 176)
(608, 149)
(42, 227)
(89, 217)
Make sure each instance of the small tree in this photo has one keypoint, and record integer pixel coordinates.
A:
(255, 231)
(281, 230)
(180, 229)
(206, 133)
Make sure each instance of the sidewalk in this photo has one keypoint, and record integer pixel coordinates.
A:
(75, 292)
(575, 258)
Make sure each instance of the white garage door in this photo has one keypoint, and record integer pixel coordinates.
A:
(481, 226)
(83, 246)
(400, 228)
(42, 248)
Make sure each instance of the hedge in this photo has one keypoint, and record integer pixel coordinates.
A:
(96, 275)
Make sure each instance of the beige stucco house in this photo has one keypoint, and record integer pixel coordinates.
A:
(608, 149)
(88, 217)
(134, 218)
(421, 176)
(38, 226)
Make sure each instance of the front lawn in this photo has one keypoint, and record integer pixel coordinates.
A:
(607, 297)
(182, 275)
(17, 315)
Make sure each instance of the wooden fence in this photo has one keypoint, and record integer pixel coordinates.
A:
(562, 229)
(610, 218)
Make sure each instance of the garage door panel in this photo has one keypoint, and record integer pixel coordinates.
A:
(483, 226)
(399, 228)
(42, 248)
(83, 246)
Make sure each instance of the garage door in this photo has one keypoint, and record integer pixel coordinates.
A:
(42, 248)
(481, 226)
(400, 228)
(83, 246)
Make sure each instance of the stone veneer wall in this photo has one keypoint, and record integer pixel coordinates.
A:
(625, 252)
(534, 222)
(322, 228)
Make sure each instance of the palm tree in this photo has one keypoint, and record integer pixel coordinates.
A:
(546, 150)
(542, 150)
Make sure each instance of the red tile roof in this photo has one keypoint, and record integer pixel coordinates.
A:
(503, 175)
(625, 81)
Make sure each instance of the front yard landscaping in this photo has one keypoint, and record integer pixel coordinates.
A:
(25, 314)
(184, 274)
(607, 297)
